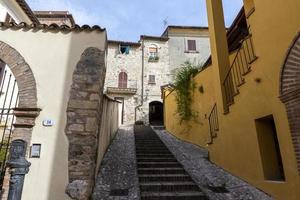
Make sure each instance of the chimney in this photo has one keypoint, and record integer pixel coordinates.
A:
(219, 47)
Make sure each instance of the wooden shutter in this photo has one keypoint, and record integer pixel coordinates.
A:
(191, 45)
(151, 79)
(122, 80)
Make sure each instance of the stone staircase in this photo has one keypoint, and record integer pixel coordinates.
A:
(161, 176)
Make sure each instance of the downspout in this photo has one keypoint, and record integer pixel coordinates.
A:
(142, 83)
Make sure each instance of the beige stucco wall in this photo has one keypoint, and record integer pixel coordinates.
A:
(52, 58)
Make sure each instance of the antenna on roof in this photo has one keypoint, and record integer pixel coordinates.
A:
(166, 22)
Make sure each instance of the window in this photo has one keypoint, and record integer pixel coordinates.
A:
(269, 149)
(122, 80)
(153, 53)
(191, 45)
(151, 79)
(124, 49)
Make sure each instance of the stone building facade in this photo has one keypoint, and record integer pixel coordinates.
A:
(147, 65)
(128, 66)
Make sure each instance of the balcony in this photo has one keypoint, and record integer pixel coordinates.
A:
(126, 88)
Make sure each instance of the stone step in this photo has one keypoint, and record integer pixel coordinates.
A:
(164, 178)
(173, 196)
(153, 151)
(156, 159)
(151, 148)
(150, 144)
(151, 155)
(169, 186)
(158, 164)
(174, 170)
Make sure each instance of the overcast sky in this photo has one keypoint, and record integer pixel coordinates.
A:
(128, 19)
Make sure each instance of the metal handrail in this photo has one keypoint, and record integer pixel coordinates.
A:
(213, 123)
(239, 67)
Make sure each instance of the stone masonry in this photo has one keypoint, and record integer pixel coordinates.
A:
(131, 65)
(172, 52)
(290, 93)
(83, 118)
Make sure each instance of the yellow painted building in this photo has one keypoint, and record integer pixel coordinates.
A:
(247, 96)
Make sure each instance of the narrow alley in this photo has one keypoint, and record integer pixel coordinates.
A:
(148, 163)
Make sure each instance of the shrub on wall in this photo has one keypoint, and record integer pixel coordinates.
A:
(184, 86)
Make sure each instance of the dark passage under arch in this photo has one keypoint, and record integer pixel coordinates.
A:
(156, 113)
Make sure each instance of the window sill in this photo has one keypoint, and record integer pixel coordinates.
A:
(191, 51)
(154, 61)
(151, 83)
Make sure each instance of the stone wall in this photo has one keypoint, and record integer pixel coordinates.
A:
(289, 93)
(160, 69)
(131, 64)
(171, 53)
(83, 120)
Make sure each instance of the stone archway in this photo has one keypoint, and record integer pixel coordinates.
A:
(290, 93)
(83, 121)
(156, 113)
(27, 110)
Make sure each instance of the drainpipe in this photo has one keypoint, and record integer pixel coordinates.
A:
(142, 83)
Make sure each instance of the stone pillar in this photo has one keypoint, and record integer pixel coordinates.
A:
(219, 48)
(83, 119)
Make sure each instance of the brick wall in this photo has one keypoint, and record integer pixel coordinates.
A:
(290, 93)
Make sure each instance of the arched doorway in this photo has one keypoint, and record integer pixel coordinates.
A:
(156, 113)
(18, 103)
(290, 92)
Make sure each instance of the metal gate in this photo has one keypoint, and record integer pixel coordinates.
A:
(8, 101)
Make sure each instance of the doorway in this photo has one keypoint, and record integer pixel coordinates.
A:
(121, 99)
(156, 113)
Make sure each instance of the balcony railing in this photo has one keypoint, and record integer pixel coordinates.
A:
(113, 87)
(241, 65)
(213, 123)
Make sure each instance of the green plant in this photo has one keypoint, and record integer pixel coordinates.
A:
(184, 86)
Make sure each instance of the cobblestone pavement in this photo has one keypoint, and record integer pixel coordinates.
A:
(118, 169)
(213, 180)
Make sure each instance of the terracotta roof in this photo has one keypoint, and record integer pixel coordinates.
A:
(28, 11)
(124, 43)
(55, 14)
(183, 27)
(148, 37)
(51, 27)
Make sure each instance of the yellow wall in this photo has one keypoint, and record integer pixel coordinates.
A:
(274, 24)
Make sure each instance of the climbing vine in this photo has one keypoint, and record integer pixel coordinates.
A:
(184, 86)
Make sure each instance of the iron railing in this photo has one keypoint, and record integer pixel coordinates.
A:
(115, 84)
(213, 123)
(8, 101)
(240, 66)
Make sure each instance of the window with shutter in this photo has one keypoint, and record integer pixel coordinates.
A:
(191, 44)
(122, 80)
(151, 79)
